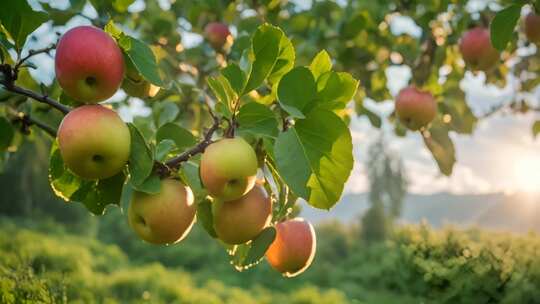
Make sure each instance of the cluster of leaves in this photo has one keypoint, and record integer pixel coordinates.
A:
(294, 121)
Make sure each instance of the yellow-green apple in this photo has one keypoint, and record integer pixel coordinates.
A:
(477, 51)
(218, 35)
(241, 220)
(89, 65)
(135, 85)
(532, 28)
(293, 249)
(94, 142)
(163, 218)
(415, 108)
(228, 168)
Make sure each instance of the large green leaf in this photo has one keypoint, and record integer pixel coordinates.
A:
(441, 147)
(141, 161)
(142, 57)
(223, 91)
(94, 195)
(263, 54)
(6, 134)
(503, 25)
(296, 90)
(181, 137)
(315, 158)
(205, 218)
(20, 20)
(257, 119)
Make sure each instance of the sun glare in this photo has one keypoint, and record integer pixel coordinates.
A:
(526, 174)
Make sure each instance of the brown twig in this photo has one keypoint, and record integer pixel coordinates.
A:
(27, 120)
(32, 53)
(10, 86)
(199, 148)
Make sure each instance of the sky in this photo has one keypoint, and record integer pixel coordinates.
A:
(501, 155)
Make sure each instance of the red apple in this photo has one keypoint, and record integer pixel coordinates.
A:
(476, 49)
(415, 108)
(217, 34)
(94, 142)
(294, 247)
(532, 28)
(89, 65)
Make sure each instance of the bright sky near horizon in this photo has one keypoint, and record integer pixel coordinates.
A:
(501, 155)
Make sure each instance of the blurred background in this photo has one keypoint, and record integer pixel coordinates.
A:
(403, 232)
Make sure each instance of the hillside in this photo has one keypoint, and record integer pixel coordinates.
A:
(517, 213)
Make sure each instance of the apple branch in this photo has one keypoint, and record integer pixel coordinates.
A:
(175, 162)
(32, 53)
(28, 121)
(10, 74)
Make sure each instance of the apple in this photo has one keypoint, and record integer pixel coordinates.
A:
(476, 49)
(532, 28)
(241, 220)
(94, 142)
(218, 35)
(293, 249)
(89, 65)
(163, 218)
(415, 108)
(135, 85)
(228, 168)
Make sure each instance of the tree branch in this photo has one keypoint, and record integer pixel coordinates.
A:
(32, 53)
(41, 98)
(27, 120)
(175, 162)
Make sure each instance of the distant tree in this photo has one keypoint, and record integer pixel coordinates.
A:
(387, 189)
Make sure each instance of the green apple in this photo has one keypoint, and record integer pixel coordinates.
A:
(94, 142)
(294, 247)
(228, 168)
(163, 218)
(241, 220)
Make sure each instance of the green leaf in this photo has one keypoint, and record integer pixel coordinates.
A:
(536, 128)
(127, 193)
(190, 173)
(285, 60)
(20, 20)
(142, 57)
(65, 99)
(257, 119)
(315, 159)
(263, 54)
(151, 185)
(122, 5)
(320, 64)
(95, 195)
(163, 149)
(374, 119)
(113, 30)
(503, 25)
(441, 147)
(296, 90)
(141, 162)
(6, 134)
(236, 78)
(205, 218)
(181, 137)
(167, 112)
(248, 255)
(337, 87)
(223, 91)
